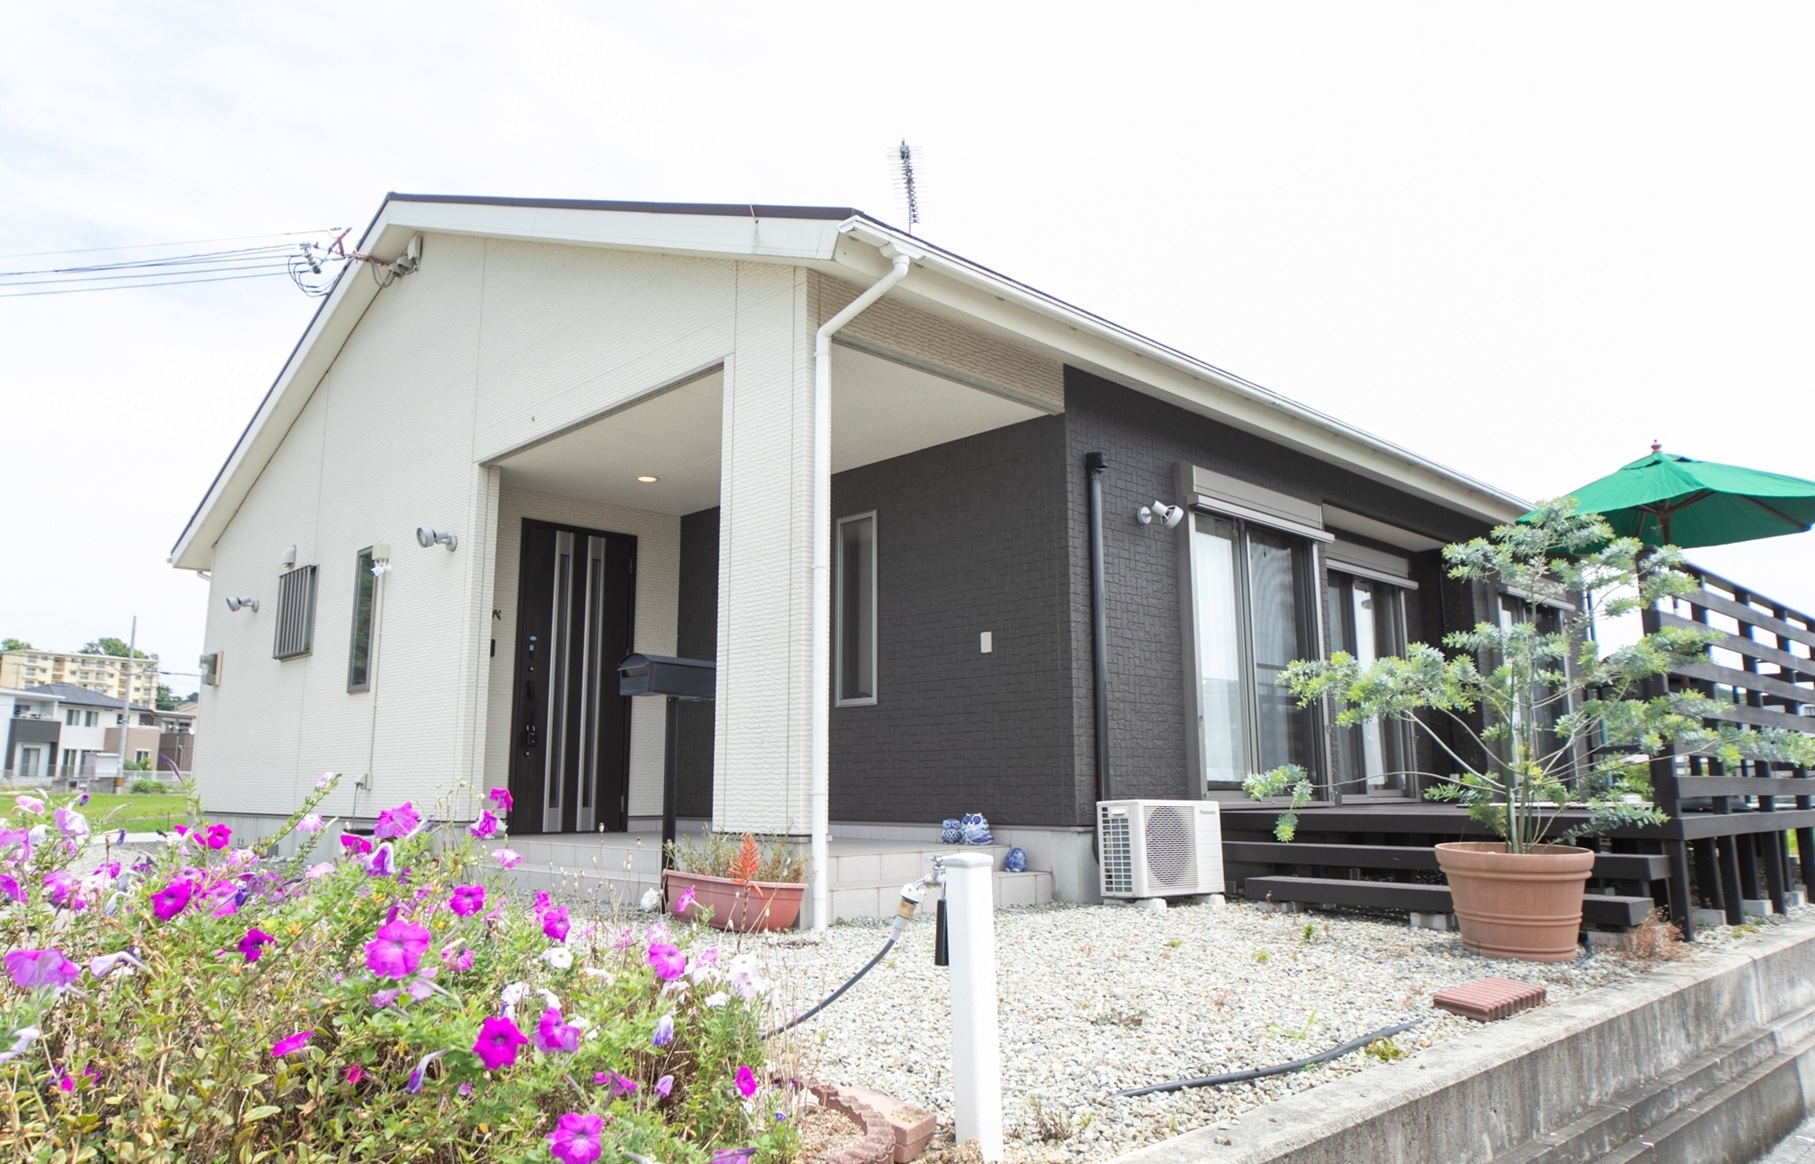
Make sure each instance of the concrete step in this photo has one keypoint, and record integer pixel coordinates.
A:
(880, 898)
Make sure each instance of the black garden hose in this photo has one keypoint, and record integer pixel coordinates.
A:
(1281, 1069)
(831, 998)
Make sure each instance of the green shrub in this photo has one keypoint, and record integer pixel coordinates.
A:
(146, 787)
(216, 1003)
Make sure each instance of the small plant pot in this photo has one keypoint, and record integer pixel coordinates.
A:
(1517, 905)
(746, 907)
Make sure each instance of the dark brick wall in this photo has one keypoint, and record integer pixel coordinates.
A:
(971, 537)
(697, 638)
(1145, 439)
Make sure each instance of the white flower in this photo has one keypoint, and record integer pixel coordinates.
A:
(311, 823)
(719, 999)
(327, 781)
(560, 957)
(513, 994)
(315, 872)
(548, 996)
(651, 899)
(742, 976)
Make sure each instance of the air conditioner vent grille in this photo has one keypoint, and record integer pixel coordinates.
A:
(1171, 848)
(1116, 852)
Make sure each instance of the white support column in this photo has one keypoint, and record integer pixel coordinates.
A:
(976, 1047)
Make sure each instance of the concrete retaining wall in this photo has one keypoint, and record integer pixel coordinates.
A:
(1514, 1090)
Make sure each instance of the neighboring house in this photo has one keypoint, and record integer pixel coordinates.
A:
(614, 412)
(89, 729)
(108, 674)
(33, 724)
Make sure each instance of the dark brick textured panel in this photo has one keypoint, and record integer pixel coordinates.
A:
(697, 638)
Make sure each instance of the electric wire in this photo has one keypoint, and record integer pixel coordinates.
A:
(305, 263)
(194, 242)
(1278, 1069)
(139, 286)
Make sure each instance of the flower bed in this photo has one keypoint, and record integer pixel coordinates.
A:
(385, 1002)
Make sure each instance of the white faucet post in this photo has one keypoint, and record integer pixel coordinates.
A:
(976, 1047)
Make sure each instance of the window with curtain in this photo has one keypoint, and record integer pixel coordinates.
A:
(1367, 620)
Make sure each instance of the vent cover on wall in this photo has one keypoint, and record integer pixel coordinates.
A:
(1159, 848)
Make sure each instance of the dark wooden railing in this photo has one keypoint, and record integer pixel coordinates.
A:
(1733, 825)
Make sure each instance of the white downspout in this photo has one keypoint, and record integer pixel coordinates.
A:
(821, 637)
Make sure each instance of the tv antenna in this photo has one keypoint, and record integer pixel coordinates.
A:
(906, 179)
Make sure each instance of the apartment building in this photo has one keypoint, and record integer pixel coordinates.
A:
(107, 674)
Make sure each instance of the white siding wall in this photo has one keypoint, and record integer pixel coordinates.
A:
(657, 593)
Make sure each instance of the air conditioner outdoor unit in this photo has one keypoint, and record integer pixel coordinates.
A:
(1159, 848)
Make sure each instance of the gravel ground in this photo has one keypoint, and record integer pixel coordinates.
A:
(1096, 999)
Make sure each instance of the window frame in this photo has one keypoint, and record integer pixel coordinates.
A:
(872, 626)
(1341, 577)
(365, 585)
(296, 591)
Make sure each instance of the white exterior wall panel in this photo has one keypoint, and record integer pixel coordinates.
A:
(657, 596)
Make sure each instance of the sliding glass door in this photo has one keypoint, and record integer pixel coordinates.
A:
(1367, 620)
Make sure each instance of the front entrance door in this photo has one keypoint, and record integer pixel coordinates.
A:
(570, 752)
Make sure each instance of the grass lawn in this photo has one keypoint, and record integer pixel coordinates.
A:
(137, 813)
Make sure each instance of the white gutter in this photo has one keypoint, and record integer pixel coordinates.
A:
(821, 533)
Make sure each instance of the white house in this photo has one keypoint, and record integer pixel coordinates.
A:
(850, 468)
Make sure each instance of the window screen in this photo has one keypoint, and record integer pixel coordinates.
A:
(295, 613)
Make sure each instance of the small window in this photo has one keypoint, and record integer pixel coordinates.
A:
(72, 717)
(91, 719)
(855, 614)
(140, 755)
(359, 655)
(295, 613)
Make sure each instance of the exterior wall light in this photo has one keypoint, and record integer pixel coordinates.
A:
(426, 537)
(1169, 515)
(237, 604)
(647, 479)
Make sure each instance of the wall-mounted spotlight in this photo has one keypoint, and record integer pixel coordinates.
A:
(1169, 515)
(426, 537)
(238, 604)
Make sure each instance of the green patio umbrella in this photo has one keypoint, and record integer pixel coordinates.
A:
(1664, 499)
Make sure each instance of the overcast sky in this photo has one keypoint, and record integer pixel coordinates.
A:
(1522, 240)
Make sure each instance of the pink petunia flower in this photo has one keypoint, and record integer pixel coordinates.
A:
(173, 899)
(485, 826)
(383, 998)
(396, 822)
(620, 1085)
(575, 1139)
(501, 798)
(41, 969)
(254, 943)
(60, 888)
(355, 1073)
(29, 804)
(668, 961)
(467, 900)
(746, 1082)
(311, 823)
(73, 824)
(684, 902)
(354, 844)
(554, 923)
(327, 781)
(554, 1035)
(318, 871)
(292, 1044)
(457, 961)
(396, 950)
(664, 1085)
(507, 857)
(10, 888)
(217, 836)
(379, 864)
(497, 1044)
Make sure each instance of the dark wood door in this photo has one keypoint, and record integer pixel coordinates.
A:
(570, 743)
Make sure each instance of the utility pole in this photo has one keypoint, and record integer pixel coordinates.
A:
(132, 641)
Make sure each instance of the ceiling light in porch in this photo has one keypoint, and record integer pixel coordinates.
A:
(647, 478)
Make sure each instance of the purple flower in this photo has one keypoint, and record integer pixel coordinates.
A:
(396, 950)
(664, 1031)
(554, 923)
(746, 1082)
(501, 798)
(396, 822)
(319, 870)
(34, 969)
(457, 960)
(355, 1073)
(554, 1035)
(668, 961)
(384, 998)
(173, 899)
(467, 900)
(218, 836)
(420, 988)
(103, 965)
(664, 1085)
(422, 1065)
(295, 1042)
(732, 1156)
(575, 1139)
(379, 863)
(684, 902)
(15, 838)
(497, 1044)
(29, 804)
(507, 857)
(23, 1038)
(253, 944)
(59, 886)
(73, 824)
(355, 845)
(619, 1084)
(11, 889)
(485, 826)
(312, 823)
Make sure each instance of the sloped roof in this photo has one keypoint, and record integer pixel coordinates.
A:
(847, 243)
(82, 696)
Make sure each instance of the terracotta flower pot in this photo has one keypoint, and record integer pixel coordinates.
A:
(746, 906)
(1517, 905)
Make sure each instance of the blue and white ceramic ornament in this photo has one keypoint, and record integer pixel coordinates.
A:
(975, 829)
(1015, 862)
(950, 832)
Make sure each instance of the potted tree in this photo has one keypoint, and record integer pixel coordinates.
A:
(745, 885)
(1528, 699)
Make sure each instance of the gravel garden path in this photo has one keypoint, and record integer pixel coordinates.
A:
(1097, 999)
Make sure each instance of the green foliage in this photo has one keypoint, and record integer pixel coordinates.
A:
(1298, 1033)
(716, 855)
(1542, 694)
(14, 645)
(1385, 1050)
(146, 787)
(166, 699)
(1263, 956)
(1287, 780)
(171, 1057)
(108, 645)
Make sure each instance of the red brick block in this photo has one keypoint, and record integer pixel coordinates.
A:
(912, 1126)
(1488, 999)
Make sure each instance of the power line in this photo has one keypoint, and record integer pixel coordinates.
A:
(136, 286)
(194, 242)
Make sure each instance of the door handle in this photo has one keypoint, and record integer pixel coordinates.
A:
(529, 735)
